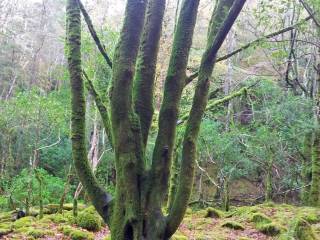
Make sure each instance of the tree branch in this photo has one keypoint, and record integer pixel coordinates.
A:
(94, 34)
(103, 110)
(246, 46)
(168, 116)
(100, 198)
(143, 91)
(221, 22)
(309, 10)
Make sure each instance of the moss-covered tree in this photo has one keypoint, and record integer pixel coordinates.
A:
(136, 211)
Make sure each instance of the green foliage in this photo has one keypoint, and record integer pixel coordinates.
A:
(52, 190)
(267, 125)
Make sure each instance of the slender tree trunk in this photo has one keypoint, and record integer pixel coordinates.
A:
(65, 190)
(306, 167)
(226, 195)
(39, 177)
(268, 182)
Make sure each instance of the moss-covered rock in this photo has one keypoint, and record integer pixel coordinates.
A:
(270, 229)
(259, 218)
(233, 225)
(24, 222)
(213, 213)
(81, 235)
(89, 219)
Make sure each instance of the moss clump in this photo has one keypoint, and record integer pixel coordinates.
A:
(81, 235)
(270, 229)
(311, 218)
(7, 216)
(265, 225)
(24, 222)
(5, 231)
(233, 225)
(179, 237)
(213, 213)
(65, 217)
(66, 230)
(300, 230)
(260, 218)
(89, 219)
(51, 208)
(39, 233)
(75, 234)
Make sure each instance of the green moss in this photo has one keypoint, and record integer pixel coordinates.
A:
(81, 235)
(89, 219)
(179, 237)
(233, 225)
(5, 231)
(6, 225)
(259, 218)
(311, 218)
(7, 216)
(213, 213)
(270, 229)
(39, 233)
(65, 217)
(66, 230)
(51, 208)
(24, 222)
(300, 230)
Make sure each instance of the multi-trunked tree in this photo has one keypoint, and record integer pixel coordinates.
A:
(136, 210)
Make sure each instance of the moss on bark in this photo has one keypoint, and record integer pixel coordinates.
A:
(99, 197)
(221, 22)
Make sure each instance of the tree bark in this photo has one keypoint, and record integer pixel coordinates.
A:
(99, 197)
(135, 213)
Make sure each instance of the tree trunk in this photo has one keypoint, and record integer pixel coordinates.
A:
(39, 177)
(306, 167)
(136, 211)
(65, 190)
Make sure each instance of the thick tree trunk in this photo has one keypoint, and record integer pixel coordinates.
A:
(135, 213)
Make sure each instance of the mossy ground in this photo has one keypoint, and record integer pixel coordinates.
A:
(262, 222)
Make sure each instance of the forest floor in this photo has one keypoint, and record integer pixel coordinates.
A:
(261, 222)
